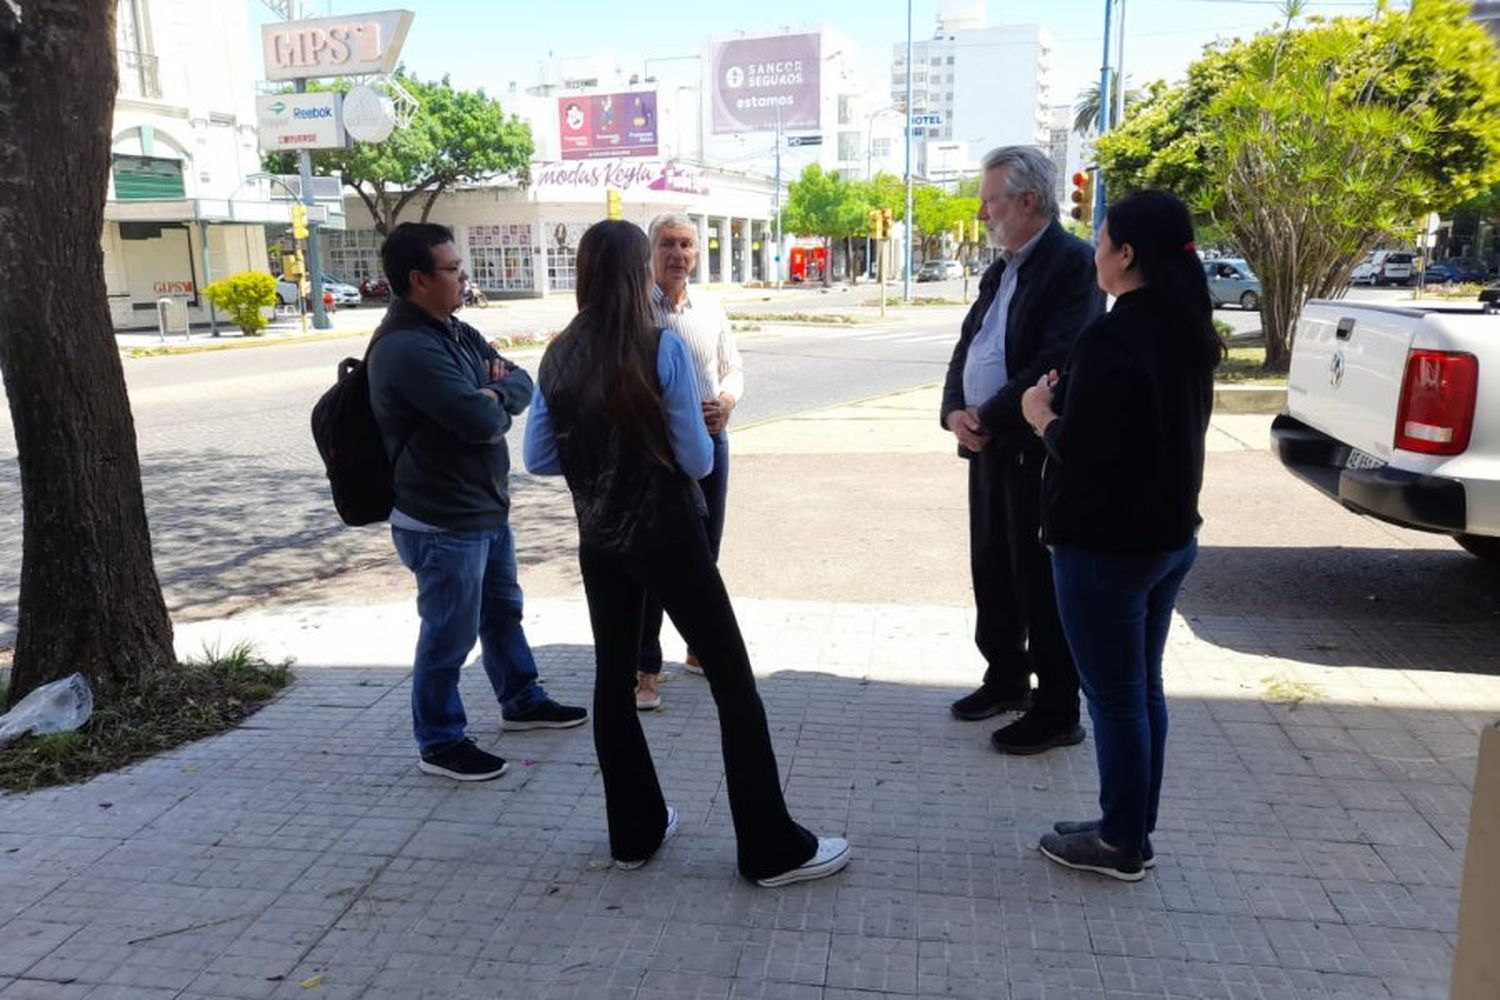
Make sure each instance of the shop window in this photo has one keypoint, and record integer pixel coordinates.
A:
(849, 146)
(353, 255)
(501, 258)
(562, 254)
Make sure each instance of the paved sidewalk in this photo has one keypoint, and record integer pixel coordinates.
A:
(1314, 818)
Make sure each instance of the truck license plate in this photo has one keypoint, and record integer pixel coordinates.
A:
(1359, 460)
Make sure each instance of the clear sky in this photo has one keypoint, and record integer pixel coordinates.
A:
(489, 43)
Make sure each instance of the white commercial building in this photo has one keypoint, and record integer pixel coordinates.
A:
(180, 212)
(1069, 151)
(980, 86)
(689, 132)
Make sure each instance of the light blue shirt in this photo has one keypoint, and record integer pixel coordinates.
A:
(984, 366)
(686, 433)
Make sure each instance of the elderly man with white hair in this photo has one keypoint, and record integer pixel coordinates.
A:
(699, 319)
(1033, 301)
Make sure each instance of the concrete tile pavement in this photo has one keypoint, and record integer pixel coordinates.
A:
(1311, 844)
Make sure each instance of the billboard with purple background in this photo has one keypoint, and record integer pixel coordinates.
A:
(601, 125)
(753, 77)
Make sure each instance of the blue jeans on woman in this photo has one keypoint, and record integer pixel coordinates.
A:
(466, 591)
(1116, 610)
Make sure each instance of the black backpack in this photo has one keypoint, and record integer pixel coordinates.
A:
(348, 440)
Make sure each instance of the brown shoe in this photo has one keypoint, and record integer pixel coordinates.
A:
(648, 692)
(691, 665)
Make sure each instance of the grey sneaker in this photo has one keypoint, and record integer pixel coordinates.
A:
(630, 866)
(548, 715)
(832, 855)
(1084, 851)
(463, 762)
(1148, 855)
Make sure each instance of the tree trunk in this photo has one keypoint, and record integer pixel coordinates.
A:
(90, 600)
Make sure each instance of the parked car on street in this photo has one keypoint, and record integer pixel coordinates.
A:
(1455, 269)
(1394, 412)
(1385, 267)
(340, 292)
(939, 270)
(1231, 280)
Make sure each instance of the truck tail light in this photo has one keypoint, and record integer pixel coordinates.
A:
(1436, 414)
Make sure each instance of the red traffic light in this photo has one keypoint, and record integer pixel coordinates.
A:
(1080, 179)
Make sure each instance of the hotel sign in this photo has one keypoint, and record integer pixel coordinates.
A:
(334, 46)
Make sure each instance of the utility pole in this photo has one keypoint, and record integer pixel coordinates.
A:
(1104, 108)
(907, 227)
(293, 11)
(777, 255)
(1119, 115)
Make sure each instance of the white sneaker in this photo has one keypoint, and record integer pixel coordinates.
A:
(630, 866)
(832, 855)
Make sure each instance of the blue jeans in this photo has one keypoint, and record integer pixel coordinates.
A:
(715, 487)
(466, 590)
(1116, 610)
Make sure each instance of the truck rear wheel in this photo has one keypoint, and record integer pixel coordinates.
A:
(1483, 546)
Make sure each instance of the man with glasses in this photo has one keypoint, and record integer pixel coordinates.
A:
(443, 399)
(1033, 301)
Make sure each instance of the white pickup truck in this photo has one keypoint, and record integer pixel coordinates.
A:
(1394, 411)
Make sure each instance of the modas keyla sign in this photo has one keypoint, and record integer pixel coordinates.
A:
(354, 45)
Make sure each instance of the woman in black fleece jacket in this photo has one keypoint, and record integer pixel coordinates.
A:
(1124, 430)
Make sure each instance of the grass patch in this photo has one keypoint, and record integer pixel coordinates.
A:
(202, 697)
(916, 300)
(1466, 291)
(238, 344)
(1246, 366)
(826, 319)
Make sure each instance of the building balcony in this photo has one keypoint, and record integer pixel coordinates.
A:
(138, 76)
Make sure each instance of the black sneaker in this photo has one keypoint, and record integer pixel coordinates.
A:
(984, 703)
(1084, 851)
(463, 762)
(548, 715)
(1031, 734)
(1065, 827)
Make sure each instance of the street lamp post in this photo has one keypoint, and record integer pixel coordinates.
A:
(776, 216)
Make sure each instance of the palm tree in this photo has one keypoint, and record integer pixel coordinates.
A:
(1086, 111)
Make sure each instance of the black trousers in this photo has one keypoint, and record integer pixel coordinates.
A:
(1017, 627)
(680, 572)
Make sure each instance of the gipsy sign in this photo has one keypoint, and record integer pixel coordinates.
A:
(334, 46)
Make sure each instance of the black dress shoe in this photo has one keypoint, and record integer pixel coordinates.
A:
(1032, 734)
(984, 703)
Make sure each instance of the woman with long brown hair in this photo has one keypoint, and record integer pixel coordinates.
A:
(616, 412)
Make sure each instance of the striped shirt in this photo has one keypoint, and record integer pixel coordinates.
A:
(701, 323)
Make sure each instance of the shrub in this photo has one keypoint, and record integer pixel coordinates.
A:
(243, 296)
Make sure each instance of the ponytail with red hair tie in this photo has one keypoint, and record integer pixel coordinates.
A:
(1190, 245)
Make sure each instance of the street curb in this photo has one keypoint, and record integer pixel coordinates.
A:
(1249, 399)
(835, 406)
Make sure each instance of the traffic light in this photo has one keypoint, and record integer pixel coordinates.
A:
(299, 222)
(1083, 196)
(959, 231)
(877, 230)
(974, 231)
(611, 203)
(885, 223)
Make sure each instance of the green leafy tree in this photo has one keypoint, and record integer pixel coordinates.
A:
(935, 212)
(456, 136)
(824, 203)
(1307, 146)
(243, 296)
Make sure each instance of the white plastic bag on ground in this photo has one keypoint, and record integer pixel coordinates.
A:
(59, 707)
